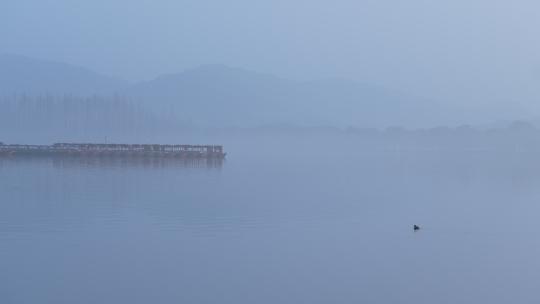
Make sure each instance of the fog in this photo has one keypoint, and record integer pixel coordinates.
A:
(478, 54)
(296, 151)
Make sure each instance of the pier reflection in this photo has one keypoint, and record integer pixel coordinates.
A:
(117, 162)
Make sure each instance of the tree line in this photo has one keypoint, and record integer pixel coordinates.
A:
(67, 116)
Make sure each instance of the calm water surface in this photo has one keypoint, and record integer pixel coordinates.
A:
(287, 228)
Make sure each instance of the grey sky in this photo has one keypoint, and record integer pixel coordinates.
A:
(468, 51)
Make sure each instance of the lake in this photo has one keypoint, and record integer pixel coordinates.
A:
(306, 225)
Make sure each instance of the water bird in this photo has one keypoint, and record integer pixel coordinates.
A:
(416, 227)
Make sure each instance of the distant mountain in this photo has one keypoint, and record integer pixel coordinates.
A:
(219, 95)
(19, 74)
(216, 95)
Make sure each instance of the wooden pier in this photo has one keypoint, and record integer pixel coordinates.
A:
(114, 150)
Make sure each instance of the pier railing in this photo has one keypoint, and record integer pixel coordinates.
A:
(209, 151)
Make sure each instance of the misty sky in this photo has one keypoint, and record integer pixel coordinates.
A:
(463, 51)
